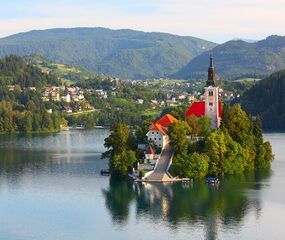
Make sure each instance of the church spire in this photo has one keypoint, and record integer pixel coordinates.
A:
(211, 73)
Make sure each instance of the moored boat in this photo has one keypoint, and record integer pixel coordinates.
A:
(212, 180)
(105, 172)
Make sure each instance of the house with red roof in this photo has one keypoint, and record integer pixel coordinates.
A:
(166, 120)
(149, 154)
(211, 106)
(157, 133)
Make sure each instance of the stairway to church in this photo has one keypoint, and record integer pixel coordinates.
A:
(160, 173)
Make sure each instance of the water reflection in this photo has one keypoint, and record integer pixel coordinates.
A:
(209, 205)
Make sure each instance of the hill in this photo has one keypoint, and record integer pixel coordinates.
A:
(239, 59)
(267, 99)
(122, 53)
(67, 73)
(14, 70)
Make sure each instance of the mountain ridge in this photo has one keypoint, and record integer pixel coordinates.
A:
(238, 59)
(123, 53)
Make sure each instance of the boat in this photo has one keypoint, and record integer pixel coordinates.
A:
(105, 172)
(213, 180)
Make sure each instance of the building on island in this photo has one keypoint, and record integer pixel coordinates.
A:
(157, 133)
(211, 106)
(149, 153)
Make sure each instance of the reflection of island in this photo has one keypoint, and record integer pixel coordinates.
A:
(177, 203)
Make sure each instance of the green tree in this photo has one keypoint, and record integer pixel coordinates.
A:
(193, 123)
(119, 151)
(178, 132)
(205, 126)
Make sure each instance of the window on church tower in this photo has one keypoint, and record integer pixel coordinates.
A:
(211, 93)
(210, 104)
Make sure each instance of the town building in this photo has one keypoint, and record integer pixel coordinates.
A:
(211, 106)
(157, 133)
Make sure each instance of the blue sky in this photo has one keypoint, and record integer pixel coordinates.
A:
(216, 20)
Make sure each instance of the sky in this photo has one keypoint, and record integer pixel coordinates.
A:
(214, 20)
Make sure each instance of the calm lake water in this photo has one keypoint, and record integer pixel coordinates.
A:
(51, 189)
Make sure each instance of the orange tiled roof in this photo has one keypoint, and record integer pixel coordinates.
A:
(158, 127)
(166, 120)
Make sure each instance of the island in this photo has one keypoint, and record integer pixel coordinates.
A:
(210, 139)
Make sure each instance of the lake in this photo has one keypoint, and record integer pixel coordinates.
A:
(51, 189)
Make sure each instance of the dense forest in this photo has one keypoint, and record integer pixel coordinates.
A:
(236, 146)
(14, 70)
(267, 99)
(239, 59)
(22, 109)
(125, 53)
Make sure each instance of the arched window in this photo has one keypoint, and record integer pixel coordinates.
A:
(211, 93)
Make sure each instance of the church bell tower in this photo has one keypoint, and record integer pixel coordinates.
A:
(212, 97)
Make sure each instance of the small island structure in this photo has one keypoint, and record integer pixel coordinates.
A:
(209, 139)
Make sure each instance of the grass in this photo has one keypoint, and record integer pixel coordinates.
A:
(151, 112)
(66, 72)
(67, 82)
(247, 80)
(168, 81)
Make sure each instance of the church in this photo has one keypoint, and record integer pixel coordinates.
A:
(211, 106)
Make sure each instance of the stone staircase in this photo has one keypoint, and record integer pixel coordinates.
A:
(160, 173)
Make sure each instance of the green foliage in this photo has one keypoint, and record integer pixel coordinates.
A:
(87, 120)
(239, 59)
(119, 150)
(26, 121)
(65, 72)
(237, 123)
(205, 123)
(194, 125)
(142, 130)
(177, 112)
(123, 53)
(14, 70)
(267, 99)
(236, 146)
(178, 132)
(193, 165)
(23, 110)
(226, 155)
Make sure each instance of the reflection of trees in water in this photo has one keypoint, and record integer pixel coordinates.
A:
(118, 199)
(177, 203)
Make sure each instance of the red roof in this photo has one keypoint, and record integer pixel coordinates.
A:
(166, 120)
(198, 109)
(158, 127)
(150, 150)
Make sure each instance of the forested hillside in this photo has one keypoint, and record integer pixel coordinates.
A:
(267, 98)
(122, 53)
(21, 108)
(14, 70)
(239, 59)
(65, 72)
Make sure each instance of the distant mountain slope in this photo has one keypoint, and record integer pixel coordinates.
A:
(63, 71)
(267, 98)
(238, 59)
(122, 53)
